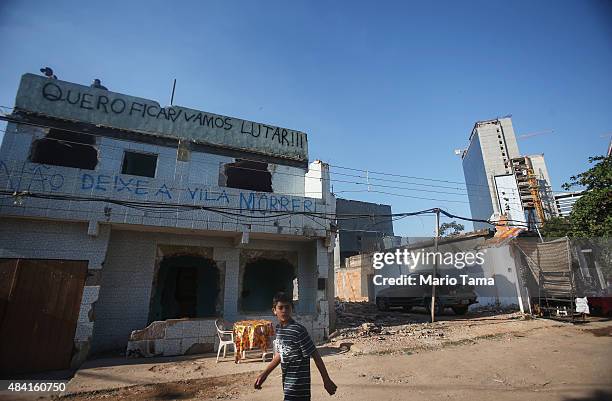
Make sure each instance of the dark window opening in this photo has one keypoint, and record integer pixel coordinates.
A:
(67, 149)
(141, 164)
(262, 279)
(186, 287)
(245, 174)
(321, 284)
(346, 254)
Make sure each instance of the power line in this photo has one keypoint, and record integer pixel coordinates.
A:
(368, 172)
(323, 179)
(158, 207)
(369, 184)
(485, 187)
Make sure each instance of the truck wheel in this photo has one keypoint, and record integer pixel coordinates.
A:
(382, 304)
(460, 310)
(439, 307)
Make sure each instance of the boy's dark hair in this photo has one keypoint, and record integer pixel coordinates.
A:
(282, 297)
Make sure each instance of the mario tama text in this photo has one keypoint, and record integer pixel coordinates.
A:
(425, 261)
(428, 280)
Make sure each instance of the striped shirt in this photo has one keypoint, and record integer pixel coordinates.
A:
(295, 348)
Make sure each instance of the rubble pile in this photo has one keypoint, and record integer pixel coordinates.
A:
(368, 330)
(418, 330)
(489, 309)
(355, 314)
(362, 319)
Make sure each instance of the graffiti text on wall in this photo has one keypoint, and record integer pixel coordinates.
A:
(42, 178)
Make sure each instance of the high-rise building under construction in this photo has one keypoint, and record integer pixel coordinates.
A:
(502, 182)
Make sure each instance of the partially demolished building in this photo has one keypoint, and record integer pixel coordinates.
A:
(117, 212)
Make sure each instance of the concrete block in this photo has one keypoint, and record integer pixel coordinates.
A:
(144, 348)
(158, 346)
(187, 343)
(174, 330)
(207, 329)
(154, 331)
(172, 346)
(191, 328)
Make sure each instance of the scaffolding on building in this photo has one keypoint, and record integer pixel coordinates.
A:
(529, 190)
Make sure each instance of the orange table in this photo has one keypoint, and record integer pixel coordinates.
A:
(249, 334)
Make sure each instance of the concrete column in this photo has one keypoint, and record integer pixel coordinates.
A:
(230, 258)
(307, 278)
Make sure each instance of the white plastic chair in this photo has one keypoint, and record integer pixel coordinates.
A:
(223, 338)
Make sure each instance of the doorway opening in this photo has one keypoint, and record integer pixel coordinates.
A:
(187, 286)
(262, 279)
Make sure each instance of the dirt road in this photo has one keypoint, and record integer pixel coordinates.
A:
(528, 360)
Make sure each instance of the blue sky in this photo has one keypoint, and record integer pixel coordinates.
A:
(384, 86)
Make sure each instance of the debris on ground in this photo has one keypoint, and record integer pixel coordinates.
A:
(375, 331)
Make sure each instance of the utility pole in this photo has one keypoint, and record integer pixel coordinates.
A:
(435, 266)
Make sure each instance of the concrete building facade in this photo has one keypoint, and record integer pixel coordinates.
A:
(363, 227)
(361, 234)
(492, 145)
(177, 215)
(565, 202)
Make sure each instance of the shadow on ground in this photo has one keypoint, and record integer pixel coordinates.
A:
(342, 348)
(596, 395)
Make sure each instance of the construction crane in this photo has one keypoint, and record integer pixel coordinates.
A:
(461, 151)
(534, 188)
(536, 133)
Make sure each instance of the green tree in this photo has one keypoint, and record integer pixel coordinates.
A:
(592, 214)
(557, 227)
(453, 225)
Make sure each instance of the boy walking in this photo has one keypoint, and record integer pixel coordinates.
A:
(293, 348)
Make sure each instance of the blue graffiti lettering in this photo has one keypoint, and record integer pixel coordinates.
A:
(223, 196)
(164, 190)
(141, 187)
(87, 181)
(284, 203)
(56, 181)
(247, 204)
(273, 202)
(192, 193)
(38, 177)
(263, 198)
(124, 185)
(207, 198)
(307, 205)
(4, 167)
(103, 180)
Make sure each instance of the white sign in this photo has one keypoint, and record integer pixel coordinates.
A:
(65, 100)
(509, 200)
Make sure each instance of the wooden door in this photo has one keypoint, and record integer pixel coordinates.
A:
(39, 309)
